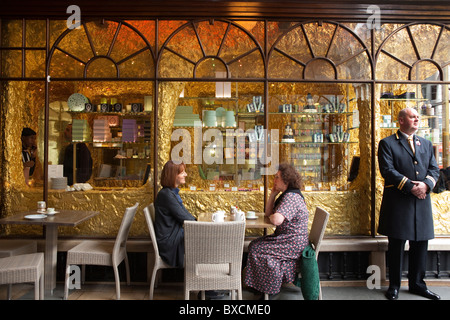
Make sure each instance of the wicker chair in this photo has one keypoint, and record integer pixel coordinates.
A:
(103, 253)
(24, 268)
(149, 213)
(213, 256)
(9, 248)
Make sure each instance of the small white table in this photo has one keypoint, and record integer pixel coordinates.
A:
(69, 218)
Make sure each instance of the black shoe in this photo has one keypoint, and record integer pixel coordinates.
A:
(392, 294)
(426, 293)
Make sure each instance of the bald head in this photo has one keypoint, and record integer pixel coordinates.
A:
(408, 120)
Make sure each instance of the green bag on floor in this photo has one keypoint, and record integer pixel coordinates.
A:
(309, 280)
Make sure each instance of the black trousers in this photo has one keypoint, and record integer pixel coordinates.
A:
(416, 267)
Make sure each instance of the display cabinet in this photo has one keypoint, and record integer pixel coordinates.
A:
(318, 136)
(118, 138)
(229, 131)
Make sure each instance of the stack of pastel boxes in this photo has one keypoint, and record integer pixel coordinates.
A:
(210, 118)
(80, 131)
(185, 117)
(129, 130)
(102, 132)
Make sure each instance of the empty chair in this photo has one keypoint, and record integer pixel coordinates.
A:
(9, 248)
(22, 269)
(213, 256)
(317, 232)
(149, 213)
(103, 253)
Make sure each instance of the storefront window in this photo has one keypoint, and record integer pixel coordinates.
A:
(413, 61)
(324, 93)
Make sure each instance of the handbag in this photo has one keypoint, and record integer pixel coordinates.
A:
(308, 278)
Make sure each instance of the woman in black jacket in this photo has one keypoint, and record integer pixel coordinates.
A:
(170, 215)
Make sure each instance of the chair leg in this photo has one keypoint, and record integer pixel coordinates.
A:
(127, 269)
(36, 289)
(117, 278)
(66, 282)
(41, 287)
(9, 292)
(83, 273)
(152, 282)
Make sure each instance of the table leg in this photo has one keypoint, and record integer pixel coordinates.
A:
(51, 242)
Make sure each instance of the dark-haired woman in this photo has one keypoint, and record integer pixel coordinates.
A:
(272, 259)
(170, 215)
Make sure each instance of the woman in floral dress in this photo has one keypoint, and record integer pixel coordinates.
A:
(272, 259)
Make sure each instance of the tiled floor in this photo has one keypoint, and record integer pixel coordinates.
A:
(175, 291)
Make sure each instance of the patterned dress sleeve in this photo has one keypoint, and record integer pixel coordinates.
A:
(290, 206)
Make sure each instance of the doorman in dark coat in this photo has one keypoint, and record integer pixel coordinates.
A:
(170, 215)
(406, 212)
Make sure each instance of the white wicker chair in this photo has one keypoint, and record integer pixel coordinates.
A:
(22, 269)
(103, 253)
(10, 247)
(149, 213)
(213, 256)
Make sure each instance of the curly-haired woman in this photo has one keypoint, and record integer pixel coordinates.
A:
(272, 259)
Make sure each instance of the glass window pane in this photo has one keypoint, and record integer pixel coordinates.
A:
(11, 63)
(64, 66)
(35, 63)
(114, 131)
(11, 33)
(320, 134)
(425, 37)
(222, 152)
(35, 33)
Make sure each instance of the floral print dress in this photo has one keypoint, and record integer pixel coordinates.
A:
(272, 259)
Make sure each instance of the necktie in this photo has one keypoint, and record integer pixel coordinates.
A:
(411, 144)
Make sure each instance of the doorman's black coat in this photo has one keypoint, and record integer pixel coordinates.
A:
(402, 215)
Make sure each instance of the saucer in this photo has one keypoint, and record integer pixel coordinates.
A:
(251, 218)
(51, 213)
(35, 216)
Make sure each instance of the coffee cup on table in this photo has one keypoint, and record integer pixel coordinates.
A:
(218, 216)
(51, 211)
(239, 216)
(251, 214)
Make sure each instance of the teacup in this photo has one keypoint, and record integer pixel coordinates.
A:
(218, 216)
(239, 216)
(51, 211)
(251, 214)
